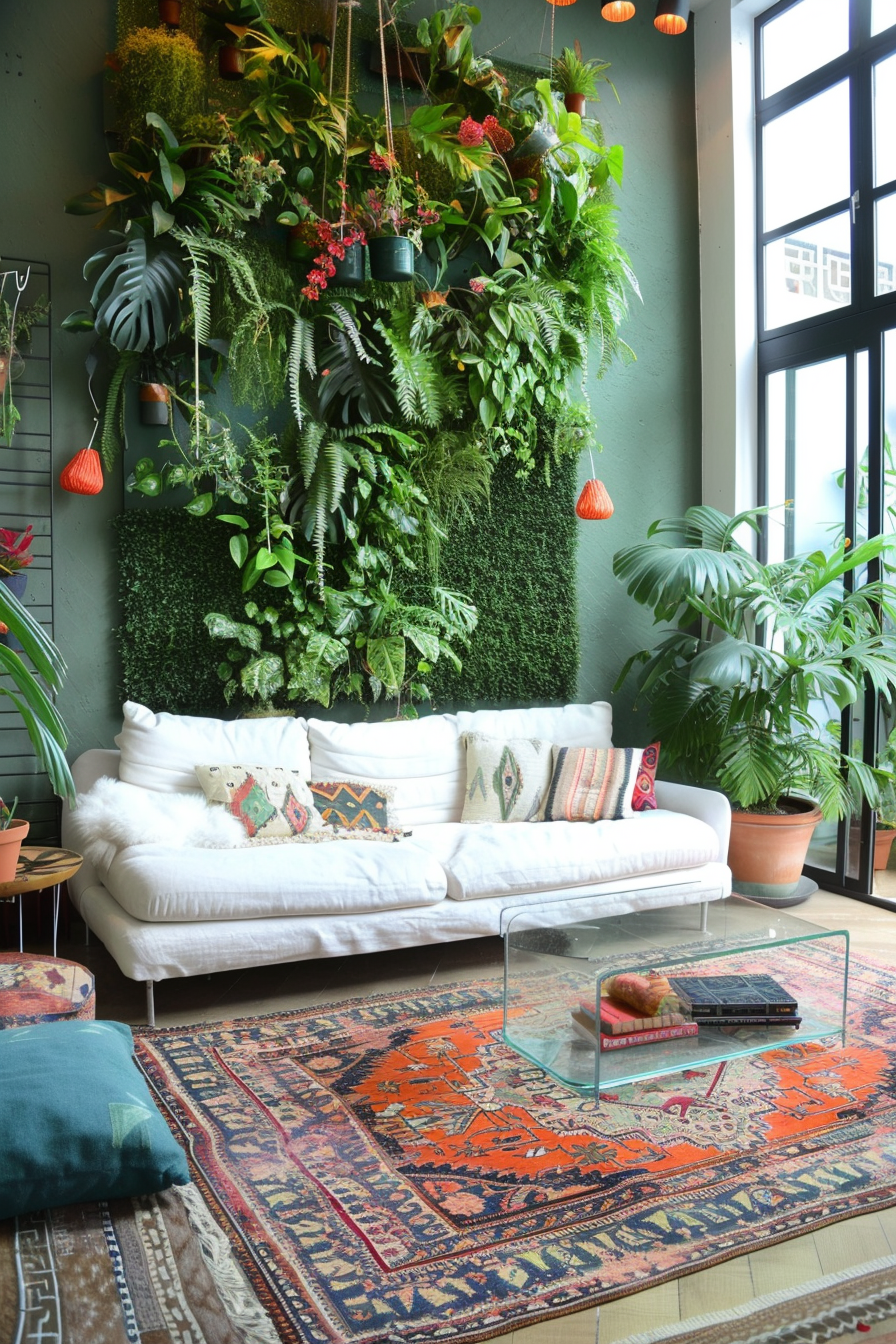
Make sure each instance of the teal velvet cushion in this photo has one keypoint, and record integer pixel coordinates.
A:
(77, 1121)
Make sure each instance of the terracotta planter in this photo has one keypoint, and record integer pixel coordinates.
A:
(766, 854)
(883, 843)
(169, 12)
(10, 843)
(153, 404)
(4, 372)
(231, 62)
(574, 102)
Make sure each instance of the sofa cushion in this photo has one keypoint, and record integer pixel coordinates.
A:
(496, 860)
(270, 803)
(565, 725)
(157, 884)
(356, 807)
(421, 759)
(592, 784)
(77, 1119)
(159, 751)
(507, 778)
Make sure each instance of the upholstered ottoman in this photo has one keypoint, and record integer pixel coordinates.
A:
(43, 989)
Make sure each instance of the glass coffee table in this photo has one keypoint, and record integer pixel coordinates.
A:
(556, 958)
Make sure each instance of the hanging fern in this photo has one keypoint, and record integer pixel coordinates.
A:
(113, 435)
(425, 396)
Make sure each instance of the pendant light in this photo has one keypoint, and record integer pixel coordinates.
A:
(618, 11)
(84, 474)
(561, 2)
(672, 17)
(594, 502)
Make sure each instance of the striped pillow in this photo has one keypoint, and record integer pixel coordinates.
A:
(592, 783)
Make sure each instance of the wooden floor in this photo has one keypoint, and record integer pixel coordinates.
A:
(302, 984)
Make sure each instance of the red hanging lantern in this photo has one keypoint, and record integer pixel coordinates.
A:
(594, 502)
(84, 474)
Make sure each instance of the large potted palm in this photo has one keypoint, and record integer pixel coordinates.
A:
(741, 689)
(30, 692)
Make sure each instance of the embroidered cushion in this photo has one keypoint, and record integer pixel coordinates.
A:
(353, 806)
(507, 779)
(77, 1119)
(272, 803)
(592, 783)
(643, 795)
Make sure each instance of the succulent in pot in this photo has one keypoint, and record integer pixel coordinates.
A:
(737, 686)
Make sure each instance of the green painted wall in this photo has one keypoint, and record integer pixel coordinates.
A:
(50, 122)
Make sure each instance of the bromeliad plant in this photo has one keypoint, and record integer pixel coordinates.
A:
(15, 549)
(741, 687)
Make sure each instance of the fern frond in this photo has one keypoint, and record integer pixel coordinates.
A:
(350, 327)
(113, 410)
(309, 449)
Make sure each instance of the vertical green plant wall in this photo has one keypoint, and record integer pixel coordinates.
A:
(414, 292)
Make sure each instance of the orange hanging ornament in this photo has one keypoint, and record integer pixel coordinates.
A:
(84, 474)
(594, 502)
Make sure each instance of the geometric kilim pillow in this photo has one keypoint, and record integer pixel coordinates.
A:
(272, 803)
(354, 806)
(507, 778)
(592, 783)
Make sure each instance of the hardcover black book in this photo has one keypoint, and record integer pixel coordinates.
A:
(732, 996)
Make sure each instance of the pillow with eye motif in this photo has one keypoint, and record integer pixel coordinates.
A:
(272, 803)
(506, 778)
(643, 795)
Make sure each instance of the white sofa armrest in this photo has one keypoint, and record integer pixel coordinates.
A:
(706, 804)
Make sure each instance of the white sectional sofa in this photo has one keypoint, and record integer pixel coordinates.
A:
(168, 908)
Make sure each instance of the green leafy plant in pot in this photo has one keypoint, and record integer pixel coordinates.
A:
(741, 687)
(578, 79)
(13, 832)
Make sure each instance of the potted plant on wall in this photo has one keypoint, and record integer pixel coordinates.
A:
(16, 323)
(15, 557)
(738, 687)
(577, 79)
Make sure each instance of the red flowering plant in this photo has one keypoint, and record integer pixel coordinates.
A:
(394, 206)
(332, 241)
(15, 549)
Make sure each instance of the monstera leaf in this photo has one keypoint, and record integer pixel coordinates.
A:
(137, 295)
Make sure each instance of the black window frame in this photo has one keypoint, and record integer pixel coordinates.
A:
(857, 326)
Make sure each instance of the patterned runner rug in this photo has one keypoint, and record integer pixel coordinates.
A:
(855, 1304)
(387, 1169)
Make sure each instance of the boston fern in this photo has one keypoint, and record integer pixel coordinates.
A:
(742, 688)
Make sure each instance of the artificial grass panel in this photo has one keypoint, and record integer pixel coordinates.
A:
(174, 568)
(517, 561)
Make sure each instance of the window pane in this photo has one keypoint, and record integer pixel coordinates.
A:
(806, 157)
(883, 15)
(884, 121)
(885, 244)
(801, 40)
(808, 272)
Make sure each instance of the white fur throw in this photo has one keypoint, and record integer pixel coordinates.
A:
(114, 815)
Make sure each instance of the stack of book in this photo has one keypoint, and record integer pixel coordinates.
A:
(617, 1026)
(735, 1001)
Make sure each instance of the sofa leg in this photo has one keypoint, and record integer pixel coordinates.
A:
(704, 915)
(150, 1004)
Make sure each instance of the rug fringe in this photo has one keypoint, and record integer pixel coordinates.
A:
(830, 1324)
(243, 1307)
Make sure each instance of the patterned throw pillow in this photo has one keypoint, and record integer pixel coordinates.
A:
(506, 780)
(356, 807)
(272, 803)
(592, 783)
(643, 795)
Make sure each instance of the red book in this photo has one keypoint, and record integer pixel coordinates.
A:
(585, 1026)
(618, 1019)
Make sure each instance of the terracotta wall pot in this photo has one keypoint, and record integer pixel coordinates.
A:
(231, 62)
(153, 404)
(4, 372)
(883, 843)
(391, 258)
(766, 854)
(10, 843)
(574, 102)
(169, 12)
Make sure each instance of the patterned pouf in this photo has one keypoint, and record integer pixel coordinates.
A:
(43, 989)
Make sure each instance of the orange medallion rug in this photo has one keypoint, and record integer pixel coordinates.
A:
(388, 1169)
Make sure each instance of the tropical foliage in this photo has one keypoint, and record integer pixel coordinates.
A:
(402, 398)
(29, 693)
(742, 688)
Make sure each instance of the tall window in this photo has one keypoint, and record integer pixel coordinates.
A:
(826, 229)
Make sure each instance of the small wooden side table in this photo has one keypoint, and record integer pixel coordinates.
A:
(38, 869)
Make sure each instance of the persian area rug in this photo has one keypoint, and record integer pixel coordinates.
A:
(856, 1304)
(387, 1169)
(154, 1270)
